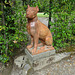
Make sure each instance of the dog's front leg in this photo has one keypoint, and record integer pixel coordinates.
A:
(36, 37)
(31, 45)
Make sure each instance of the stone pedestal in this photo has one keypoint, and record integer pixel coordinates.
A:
(39, 50)
(23, 65)
(40, 60)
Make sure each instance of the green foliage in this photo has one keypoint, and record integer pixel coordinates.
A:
(12, 33)
(42, 5)
(1, 12)
(63, 26)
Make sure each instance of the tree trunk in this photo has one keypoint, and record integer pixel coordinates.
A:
(50, 5)
(3, 22)
(0, 5)
(7, 1)
(28, 1)
(23, 2)
(14, 2)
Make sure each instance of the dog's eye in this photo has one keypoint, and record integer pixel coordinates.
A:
(27, 10)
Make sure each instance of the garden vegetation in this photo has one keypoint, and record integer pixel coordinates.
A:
(13, 23)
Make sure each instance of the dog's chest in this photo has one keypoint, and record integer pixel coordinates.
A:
(31, 28)
(32, 25)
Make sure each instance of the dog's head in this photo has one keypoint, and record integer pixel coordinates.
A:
(31, 12)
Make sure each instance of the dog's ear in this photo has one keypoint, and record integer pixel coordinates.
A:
(28, 6)
(37, 8)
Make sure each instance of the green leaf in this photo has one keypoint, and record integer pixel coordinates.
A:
(3, 46)
(1, 12)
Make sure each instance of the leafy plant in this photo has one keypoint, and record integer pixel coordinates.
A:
(63, 26)
(12, 33)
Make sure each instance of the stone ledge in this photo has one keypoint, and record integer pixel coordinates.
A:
(39, 50)
(40, 63)
(39, 56)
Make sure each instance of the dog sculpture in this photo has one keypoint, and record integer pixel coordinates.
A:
(37, 30)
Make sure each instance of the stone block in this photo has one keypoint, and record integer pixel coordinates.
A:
(39, 50)
(42, 60)
(40, 55)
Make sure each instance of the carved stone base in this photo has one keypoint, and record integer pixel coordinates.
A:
(40, 60)
(39, 56)
(40, 50)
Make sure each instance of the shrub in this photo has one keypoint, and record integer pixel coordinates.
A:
(12, 33)
(63, 27)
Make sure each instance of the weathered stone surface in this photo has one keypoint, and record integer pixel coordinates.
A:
(39, 56)
(39, 50)
(40, 63)
(26, 68)
(64, 67)
(0, 73)
(43, 59)
(20, 61)
(1, 66)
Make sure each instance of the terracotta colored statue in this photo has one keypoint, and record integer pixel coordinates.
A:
(38, 31)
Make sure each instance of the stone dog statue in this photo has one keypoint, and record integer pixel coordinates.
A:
(37, 31)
